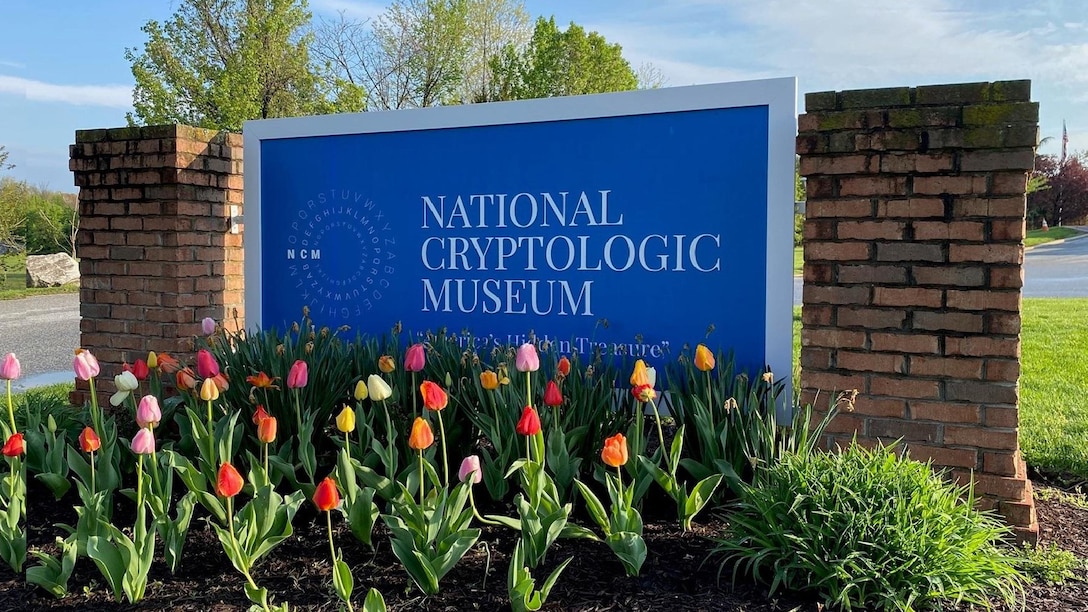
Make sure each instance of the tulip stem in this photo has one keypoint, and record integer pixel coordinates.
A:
(528, 450)
(298, 413)
(139, 481)
(709, 399)
(661, 440)
(209, 416)
(92, 473)
(528, 388)
(421, 477)
(96, 416)
(475, 512)
(445, 458)
(619, 482)
(415, 399)
(11, 409)
(266, 474)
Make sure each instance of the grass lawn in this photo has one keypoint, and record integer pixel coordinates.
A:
(1053, 384)
(1037, 237)
(798, 260)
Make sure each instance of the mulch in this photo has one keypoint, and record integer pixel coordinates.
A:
(676, 576)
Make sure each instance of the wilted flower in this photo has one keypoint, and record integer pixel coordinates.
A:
(386, 364)
(489, 380)
(260, 380)
(259, 414)
(167, 364)
(186, 379)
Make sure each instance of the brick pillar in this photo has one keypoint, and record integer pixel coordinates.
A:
(157, 252)
(913, 273)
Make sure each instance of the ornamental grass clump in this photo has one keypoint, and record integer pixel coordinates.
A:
(867, 529)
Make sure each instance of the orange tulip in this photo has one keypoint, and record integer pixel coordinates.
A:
(421, 437)
(266, 430)
(327, 496)
(434, 397)
(229, 482)
(614, 453)
(386, 364)
(88, 440)
(563, 369)
(704, 358)
(185, 378)
(262, 381)
(489, 380)
(167, 364)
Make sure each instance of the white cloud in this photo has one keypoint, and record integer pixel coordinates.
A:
(111, 96)
(357, 9)
(11, 64)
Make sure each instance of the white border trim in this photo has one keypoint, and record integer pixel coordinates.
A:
(779, 95)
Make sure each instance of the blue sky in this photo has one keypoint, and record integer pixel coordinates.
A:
(62, 65)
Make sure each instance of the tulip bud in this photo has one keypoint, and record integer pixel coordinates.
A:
(415, 358)
(143, 443)
(470, 468)
(15, 446)
(386, 364)
(552, 396)
(51, 424)
(527, 359)
(208, 391)
(140, 369)
(152, 360)
(228, 482)
(10, 368)
(377, 388)
(434, 397)
(360, 390)
(639, 376)
(421, 437)
(326, 495)
(345, 421)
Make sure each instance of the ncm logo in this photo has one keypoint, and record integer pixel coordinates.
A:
(340, 253)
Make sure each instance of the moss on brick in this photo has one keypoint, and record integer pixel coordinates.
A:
(821, 100)
(959, 93)
(1011, 91)
(876, 98)
(1009, 112)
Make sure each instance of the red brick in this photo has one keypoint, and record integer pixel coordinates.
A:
(835, 295)
(871, 230)
(982, 437)
(1002, 464)
(914, 208)
(818, 273)
(947, 321)
(871, 318)
(1013, 183)
(984, 300)
(905, 387)
(816, 358)
(967, 369)
(870, 274)
(830, 383)
(844, 423)
(872, 186)
(891, 430)
(945, 412)
(944, 457)
(880, 407)
(838, 208)
(832, 338)
(1003, 323)
(1000, 416)
(816, 315)
(987, 253)
(870, 362)
(907, 296)
(955, 230)
(903, 251)
(978, 391)
(1002, 370)
(839, 164)
(904, 343)
(1007, 278)
(937, 185)
(990, 207)
(960, 277)
(1000, 486)
(1007, 230)
(1019, 513)
(836, 251)
(977, 346)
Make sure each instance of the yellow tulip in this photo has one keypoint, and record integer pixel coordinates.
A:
(360, 391)
(345, 421)
(704, 359)
(208, 391)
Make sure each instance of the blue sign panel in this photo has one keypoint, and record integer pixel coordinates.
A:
(635, 232)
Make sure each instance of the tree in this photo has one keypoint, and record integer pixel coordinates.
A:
(4, 165)
(562, 63)
(217, 63)
(420, 53)
(1064, 198)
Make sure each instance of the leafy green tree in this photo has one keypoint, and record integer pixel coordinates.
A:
(561, 63)
(217, 63)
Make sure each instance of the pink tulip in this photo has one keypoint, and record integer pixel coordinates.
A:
(298, 376)
(415, 358)
(148, 413)
(207, 326)
(527, 360)
(206, 365)
(470, 468)
(85, 365)
(143, 443)
(10, 368)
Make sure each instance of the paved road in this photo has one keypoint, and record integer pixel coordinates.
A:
(1052, 270)
(42, 331)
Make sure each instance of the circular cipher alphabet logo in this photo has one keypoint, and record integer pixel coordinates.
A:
(341, 254)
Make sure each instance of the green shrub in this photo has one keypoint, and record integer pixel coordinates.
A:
(1049, 563)
(867, 529)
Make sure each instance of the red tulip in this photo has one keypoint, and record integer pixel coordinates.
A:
(140, 369)
(259, 415)
(529, 424)
(229, 482)
(206, 365)
(14, 446)
(326, 496)
(552, 396)
(88, 440)
(167, 364)
(563, 369)
(434, 397)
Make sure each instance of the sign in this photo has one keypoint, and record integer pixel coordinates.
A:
(633, 222)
